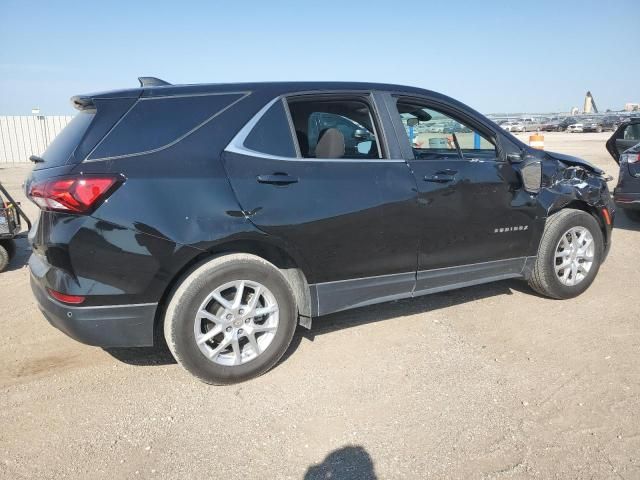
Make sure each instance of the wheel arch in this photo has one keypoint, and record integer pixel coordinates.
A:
(587, 208)
(291, 268)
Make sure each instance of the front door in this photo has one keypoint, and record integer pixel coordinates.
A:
(477, 221)
(316, 172)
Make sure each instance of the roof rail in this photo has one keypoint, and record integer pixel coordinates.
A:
(151, 82)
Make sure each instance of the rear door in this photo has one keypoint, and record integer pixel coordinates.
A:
(320, 173)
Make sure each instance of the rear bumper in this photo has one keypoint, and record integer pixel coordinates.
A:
(106, 326)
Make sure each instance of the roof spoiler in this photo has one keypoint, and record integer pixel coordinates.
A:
(82, 103)
(152, 82)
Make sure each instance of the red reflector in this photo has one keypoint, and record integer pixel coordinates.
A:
(63, 297)
(607, 217)
(74, 194)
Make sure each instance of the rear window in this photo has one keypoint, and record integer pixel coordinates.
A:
(272, 134)
(156, 123)
(59, 151)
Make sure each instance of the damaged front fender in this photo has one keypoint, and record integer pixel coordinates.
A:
(581, 186)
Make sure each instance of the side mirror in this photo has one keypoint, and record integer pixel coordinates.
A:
(361, 134)
(514, 157)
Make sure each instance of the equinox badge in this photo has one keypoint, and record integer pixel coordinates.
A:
(517, 228)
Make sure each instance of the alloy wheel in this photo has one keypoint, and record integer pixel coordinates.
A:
(236, 322)
(574, 256)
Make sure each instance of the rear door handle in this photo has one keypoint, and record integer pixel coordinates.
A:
(443, 176)
(277, 179)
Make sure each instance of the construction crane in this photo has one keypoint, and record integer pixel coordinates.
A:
(589, 104)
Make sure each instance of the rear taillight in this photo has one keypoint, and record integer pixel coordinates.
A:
(73, 194)
(630, 157)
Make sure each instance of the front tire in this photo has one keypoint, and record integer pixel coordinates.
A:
(231, 319)
(569, 255)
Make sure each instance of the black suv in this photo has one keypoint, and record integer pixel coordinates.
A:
(221, 216)
(624, 147)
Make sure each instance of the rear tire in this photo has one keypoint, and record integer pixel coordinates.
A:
(10, 247)
(186, 328)
(4, 256)
(560, 229)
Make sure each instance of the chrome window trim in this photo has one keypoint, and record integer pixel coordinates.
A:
(236, 145)
(244, 94)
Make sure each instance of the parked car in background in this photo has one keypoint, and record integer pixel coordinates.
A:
(222, 216)
(512, 126)
(575, 127)
(611, 122)
(624, 147)
(592, 125)
(557, 125)
(531, 124)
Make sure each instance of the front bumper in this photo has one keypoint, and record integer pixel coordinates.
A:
(106, 326)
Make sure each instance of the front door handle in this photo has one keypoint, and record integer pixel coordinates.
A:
(277, 179)
(443, 176)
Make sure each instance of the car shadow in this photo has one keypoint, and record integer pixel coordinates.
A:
(155, 356)
(161, 355)
(399, 308)
(623, 222)
(347, 463)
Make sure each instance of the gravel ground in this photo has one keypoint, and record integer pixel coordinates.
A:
(486, 382)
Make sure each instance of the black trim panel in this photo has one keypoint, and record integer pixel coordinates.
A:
(346, 294)
(440, 279)
(330, 297)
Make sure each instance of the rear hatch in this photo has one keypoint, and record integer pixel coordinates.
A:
(98, 113)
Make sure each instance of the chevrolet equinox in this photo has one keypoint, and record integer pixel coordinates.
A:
(219, 217)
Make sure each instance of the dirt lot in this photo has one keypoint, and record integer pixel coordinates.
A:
(487, 382)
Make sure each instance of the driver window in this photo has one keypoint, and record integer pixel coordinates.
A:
(328, 128)
(430, 131)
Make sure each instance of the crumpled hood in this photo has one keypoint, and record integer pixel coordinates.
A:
(575, 161)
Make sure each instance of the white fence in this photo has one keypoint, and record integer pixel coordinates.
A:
(22, 136)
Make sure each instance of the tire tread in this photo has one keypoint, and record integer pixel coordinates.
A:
(543, 270)
(183, 293)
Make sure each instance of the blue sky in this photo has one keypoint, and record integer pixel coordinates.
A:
(500, 56)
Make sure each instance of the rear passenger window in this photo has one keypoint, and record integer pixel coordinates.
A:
(272, 134)
(334, 128)
(155, 123)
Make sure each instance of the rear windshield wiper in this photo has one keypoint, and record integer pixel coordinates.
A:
(36, 159)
